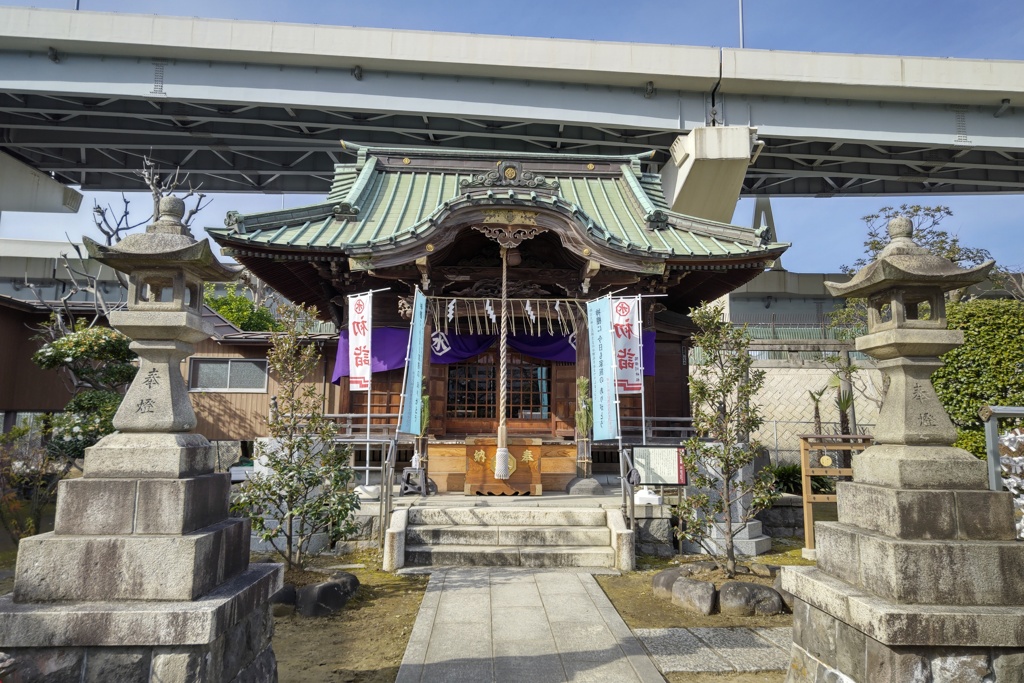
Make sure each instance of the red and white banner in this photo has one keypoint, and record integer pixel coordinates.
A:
(360, 322)
(629, 377)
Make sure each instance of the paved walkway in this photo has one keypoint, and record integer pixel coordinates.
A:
(496, 624)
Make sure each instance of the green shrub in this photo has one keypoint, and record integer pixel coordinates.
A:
(986, 370)
(238, 309)
(787, 478)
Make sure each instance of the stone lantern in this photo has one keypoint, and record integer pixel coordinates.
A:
(921, 578)
(905, 288)
(145, 578)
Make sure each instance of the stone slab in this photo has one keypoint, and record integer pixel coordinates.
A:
(920, 467)
(564, 535)
(507, 516)
(574, 634)
(927, 514)
(182, 506)
(457, 555)
(52, 567)
(566, 556)
(97, 506)
(139, 623)
(451, 534)
(515, 596)
(923, 572)
(94, 506)
(143, 455)
(781, 636)
(897, 624)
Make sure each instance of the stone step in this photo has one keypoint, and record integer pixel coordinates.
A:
(520, 516)
(501, 535)
(508, 556)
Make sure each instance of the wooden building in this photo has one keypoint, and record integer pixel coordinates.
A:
(25, 388)
(566, 229)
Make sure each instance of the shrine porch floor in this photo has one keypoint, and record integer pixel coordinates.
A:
(505, 624)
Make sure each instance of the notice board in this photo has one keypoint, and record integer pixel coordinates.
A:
(660, 465)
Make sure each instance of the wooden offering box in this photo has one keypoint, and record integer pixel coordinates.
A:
(524, 467)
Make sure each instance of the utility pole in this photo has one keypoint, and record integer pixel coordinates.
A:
(741, 24)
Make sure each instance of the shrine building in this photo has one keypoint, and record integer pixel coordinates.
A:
(569, 228)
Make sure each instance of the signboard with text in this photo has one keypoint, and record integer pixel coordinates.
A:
(412, 401)
(629, 377)
(360, 321)
(602, 369)
(660, 465)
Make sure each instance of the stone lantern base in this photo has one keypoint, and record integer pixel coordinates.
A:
(912, 585)
(222, 637)
(145, 578)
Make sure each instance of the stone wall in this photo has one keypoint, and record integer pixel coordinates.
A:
(654, 535)
(827, 649)
(785, 518)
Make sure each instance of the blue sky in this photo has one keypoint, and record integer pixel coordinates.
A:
(826, 233)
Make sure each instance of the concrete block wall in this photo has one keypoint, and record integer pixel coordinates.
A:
(788, 411)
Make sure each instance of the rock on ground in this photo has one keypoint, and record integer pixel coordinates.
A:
(324, 598)
(663, 580)
(744, 599)
(694, 596)
(787, 597)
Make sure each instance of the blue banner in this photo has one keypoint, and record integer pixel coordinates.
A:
(602, 369)
(412, 404)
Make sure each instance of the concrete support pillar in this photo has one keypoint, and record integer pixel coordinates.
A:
(705, 173)
(23, 188)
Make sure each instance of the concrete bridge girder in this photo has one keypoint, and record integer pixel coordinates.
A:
(261, 107)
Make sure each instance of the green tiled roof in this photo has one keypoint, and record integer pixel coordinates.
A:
(371, 205)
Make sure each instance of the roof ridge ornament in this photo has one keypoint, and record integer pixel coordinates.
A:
(509, 174)
(657, 220)
(510, 236)
(345, 209)
(233, 219)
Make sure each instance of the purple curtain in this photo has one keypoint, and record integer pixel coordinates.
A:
(390, 344)
(455, 348)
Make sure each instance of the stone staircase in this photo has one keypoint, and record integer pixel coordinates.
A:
(515, 537)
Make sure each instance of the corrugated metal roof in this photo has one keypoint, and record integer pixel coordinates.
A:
(369, 205)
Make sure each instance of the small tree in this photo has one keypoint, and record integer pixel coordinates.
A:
(28, 482)
(305, 487)
(584, 423)
(722, 394)
(816, 401)
(240, 310)
(89, 358)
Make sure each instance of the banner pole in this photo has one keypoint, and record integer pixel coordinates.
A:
(369, 381)
(369, 395)
(643, 388)
(405, 371)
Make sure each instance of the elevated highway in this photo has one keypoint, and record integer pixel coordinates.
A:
(260, 107)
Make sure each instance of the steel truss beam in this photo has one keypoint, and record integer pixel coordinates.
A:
(275, 129)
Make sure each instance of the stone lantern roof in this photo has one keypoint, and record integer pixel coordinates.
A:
(902, 263)
(167, 243)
